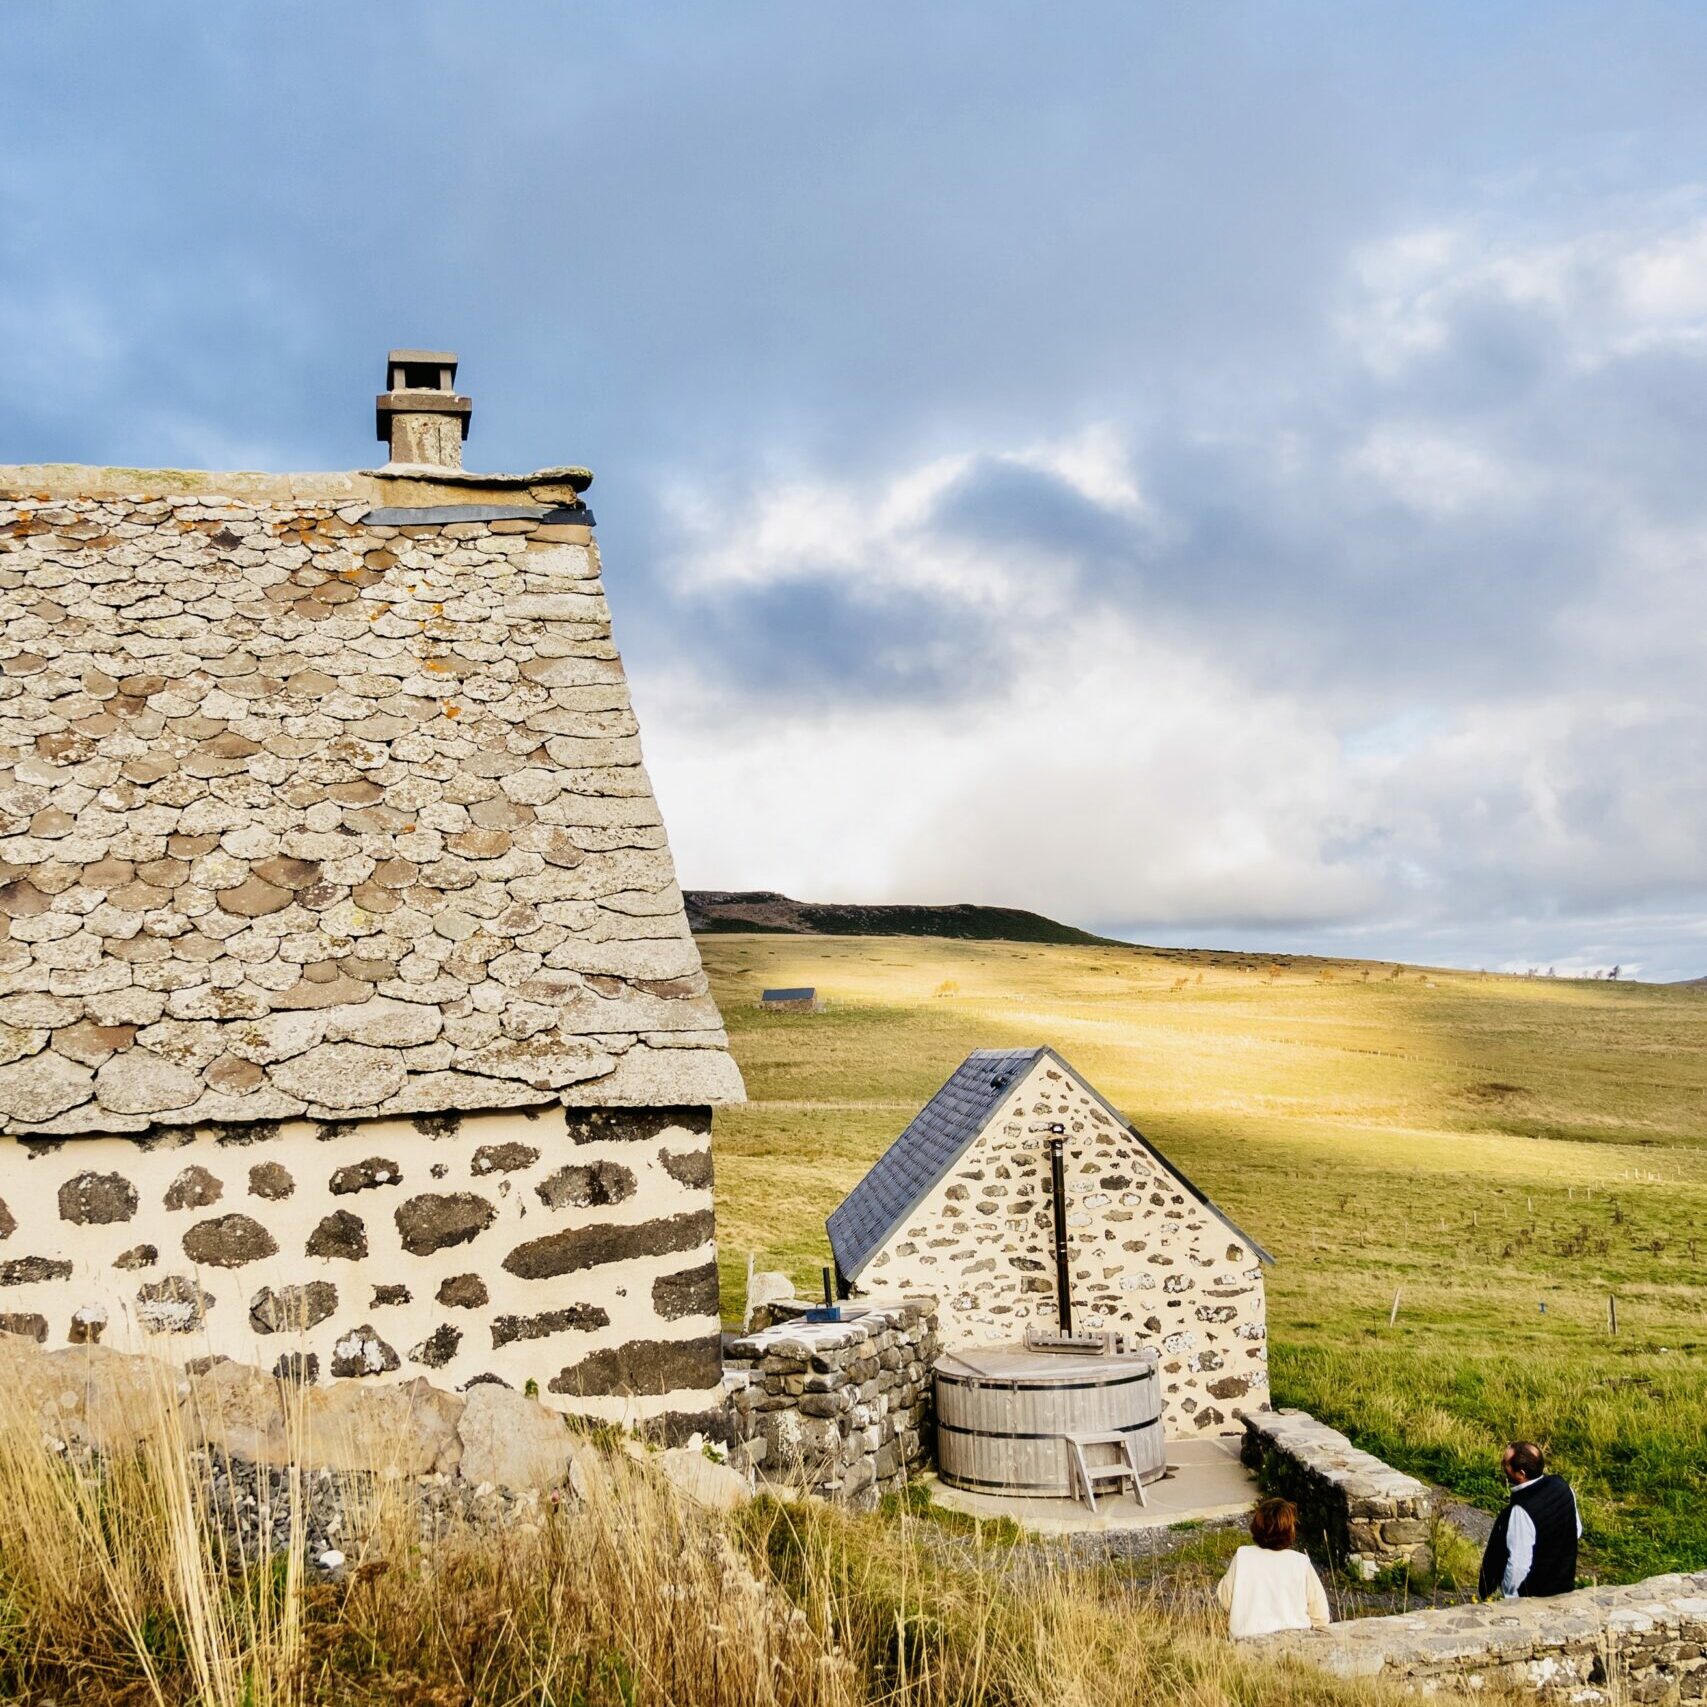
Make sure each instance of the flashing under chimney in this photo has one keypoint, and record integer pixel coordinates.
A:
(422, 418)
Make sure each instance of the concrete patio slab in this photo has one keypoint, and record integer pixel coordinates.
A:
(1204, 1480)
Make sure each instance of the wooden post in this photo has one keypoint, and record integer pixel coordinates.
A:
(1611, 1313)
(1393, 1314)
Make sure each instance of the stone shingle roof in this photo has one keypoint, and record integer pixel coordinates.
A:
(303, 815)
(905, 1174)
(917, 1162)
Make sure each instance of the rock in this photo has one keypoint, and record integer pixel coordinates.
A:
(42, 1086)
(292, 1309)
(389, 1294)
(463, 1291)
(277, 1036)
(8, 1222)
(229, 1241)
(583, 1317)
(645, 1367)
(91, 1199)
(434, 1221)
(503, 1158)
(339, 1234)
(514, 1442)
(25, 1324)
(404, 1428)
(271, 1181)
(586, 1186)
(704, 1480)
(341, 1075)
(175, 1305)
(384, 1023)
(244, 1412)
(254, 898)
(138, 1256)
(692, 1292)
(88, 1323)
(136, 1082)
(690, 1167)
(362, 1352)
(765, 1287)
(578, 1248)
(438, 1348)
(364, 1176)
(194, 1188)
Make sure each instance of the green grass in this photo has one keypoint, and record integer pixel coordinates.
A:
(1484, 1145)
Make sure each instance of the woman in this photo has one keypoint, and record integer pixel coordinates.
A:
(1268, 1587)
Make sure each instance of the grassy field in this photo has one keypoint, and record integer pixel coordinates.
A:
(1504, 1153)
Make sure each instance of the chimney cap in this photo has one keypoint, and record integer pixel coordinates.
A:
(422, 358)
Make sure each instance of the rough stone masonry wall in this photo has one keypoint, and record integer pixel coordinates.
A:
(1146, 1253)
(1639, 1642)
(572, 1249)
(844, 1406)
(1368, 1511)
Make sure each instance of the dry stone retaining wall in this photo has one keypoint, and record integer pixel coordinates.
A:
(1146, 1251)
(570, 1248)
(1369, 1512)
(1639, 1642)
(844, 1406)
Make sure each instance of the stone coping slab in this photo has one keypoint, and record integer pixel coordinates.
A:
(1328, 1454)
(1646, 1634)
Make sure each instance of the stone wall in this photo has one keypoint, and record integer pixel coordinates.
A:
(1643, 1641)
(568, 1248)
(1147, 1252)
(843, 1407)
(1369, 1513)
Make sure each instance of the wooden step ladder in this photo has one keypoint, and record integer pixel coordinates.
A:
(1085, 1475)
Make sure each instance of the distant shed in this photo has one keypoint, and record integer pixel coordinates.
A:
(805, 998)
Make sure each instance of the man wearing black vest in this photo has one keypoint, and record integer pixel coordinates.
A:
(1533, 1548)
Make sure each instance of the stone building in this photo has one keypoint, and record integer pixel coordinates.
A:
(349, 1019)
(960, 1210)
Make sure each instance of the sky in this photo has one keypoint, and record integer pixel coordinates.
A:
(1222, 475)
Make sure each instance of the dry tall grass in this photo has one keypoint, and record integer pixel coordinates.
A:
(118, 1584)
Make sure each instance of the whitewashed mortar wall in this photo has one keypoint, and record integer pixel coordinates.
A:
(569, 1248)
(1146, 1252)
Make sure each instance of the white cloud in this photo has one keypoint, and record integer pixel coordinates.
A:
(1434, 473)
(1635, 280)
(1112, 777)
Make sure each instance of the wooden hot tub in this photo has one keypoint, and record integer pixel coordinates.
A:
(1003, 1414)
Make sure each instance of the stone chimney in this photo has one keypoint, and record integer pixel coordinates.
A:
(422, 417)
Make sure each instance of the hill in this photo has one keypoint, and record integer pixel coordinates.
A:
(712, 910)
(1503, 1153)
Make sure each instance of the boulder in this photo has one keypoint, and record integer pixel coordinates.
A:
(512, 1441)
(409, 1429)
(706, 1481)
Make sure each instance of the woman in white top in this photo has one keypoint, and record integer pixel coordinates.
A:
(1268, 1587)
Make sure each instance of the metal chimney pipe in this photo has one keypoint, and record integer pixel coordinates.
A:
(1063, 1285)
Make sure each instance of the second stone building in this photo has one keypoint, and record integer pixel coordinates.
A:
(960, 1210)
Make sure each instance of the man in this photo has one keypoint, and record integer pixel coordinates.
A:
(1533, 1548)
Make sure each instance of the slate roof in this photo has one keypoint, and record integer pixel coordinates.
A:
(906, 1173)
(305, 814)
(941, 1132)
(805, 993)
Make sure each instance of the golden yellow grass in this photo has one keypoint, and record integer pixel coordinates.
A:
(117, 1587)
(1503, 1153)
